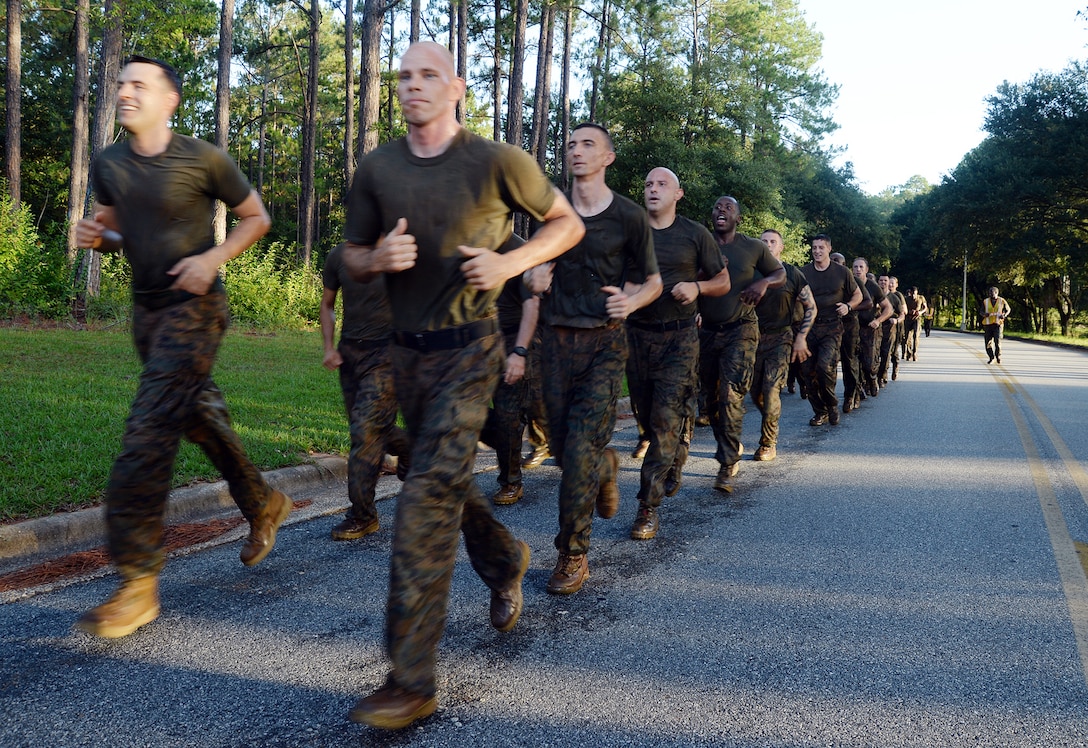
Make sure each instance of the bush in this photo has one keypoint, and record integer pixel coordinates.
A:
(268, 292)
(113, 304)
(34, 275)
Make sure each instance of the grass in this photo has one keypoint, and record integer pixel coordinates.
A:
(66, 393)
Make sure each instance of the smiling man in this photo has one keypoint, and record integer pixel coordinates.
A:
(429, 210)
(730, 333)
(155, 194)
(836, 294)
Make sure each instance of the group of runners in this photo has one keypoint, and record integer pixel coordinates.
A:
(604, 289)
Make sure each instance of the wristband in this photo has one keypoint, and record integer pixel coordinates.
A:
(698, 289)
(848, 308)
(519, 350)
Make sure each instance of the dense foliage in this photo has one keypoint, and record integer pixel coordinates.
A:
(727, 93)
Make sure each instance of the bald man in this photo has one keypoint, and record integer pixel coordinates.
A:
(429, 210)
(663, 343)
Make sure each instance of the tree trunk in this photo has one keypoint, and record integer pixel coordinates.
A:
(600, 62)
(370, 75)
(413, 32)
(496, 76)
(222, 105)
(564, 124)
(349, 94)
(462, 52)
(542, 96)
(13, 148)
(77, 184)
(105, 110)
(308, 195)
(515, 97)
(452, 41)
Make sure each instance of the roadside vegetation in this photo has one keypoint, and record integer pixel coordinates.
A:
(66, 394)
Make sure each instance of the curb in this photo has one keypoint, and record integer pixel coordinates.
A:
(39, 539)
(25, 543)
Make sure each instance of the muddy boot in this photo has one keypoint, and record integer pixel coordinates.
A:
(262, 529)
(135, 603)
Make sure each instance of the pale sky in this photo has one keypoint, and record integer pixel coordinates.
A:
(914, 76)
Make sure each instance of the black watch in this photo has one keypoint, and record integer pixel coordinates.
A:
(520, 351)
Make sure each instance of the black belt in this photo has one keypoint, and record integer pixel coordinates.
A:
(826, 320)
(676, 324)
(365, 344)
(449, 338)
(722, 326)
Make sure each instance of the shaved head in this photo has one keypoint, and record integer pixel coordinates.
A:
(436, 55)
(661, 171)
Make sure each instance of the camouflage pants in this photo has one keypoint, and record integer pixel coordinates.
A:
(534, 384)
(822, 368)
(176, 397)
(772, 364)
(910, 343)
(583, 376)
(727, 362)
(848, 354)
(366, 381)
(889, 350)
(443, 396)
(868, 353)
(506, 423)
(661, 379)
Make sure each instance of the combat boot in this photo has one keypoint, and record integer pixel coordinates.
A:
(135, 603)
(262, 530)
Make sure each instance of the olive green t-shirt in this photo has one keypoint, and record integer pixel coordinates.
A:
(683, 250)
(466, 195)
(775, 310)
(164, 206)
(877, 296)
(748, 260)
(830, 286)
(617, 247)
(366, 305)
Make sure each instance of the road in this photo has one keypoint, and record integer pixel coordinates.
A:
(911, 577)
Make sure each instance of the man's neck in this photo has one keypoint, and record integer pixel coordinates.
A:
(662, 220)
(826, 264)
(590, 195)
(726, 237)
(151, 143)
(432, 139)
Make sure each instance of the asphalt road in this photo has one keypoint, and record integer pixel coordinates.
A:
(911, 577)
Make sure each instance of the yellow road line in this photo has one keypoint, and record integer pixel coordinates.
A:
(1070, 571)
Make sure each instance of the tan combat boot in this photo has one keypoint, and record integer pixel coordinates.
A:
(135, 603)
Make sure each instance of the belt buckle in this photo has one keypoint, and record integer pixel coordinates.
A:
(421, 341)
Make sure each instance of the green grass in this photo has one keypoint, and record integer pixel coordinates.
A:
(64, 396)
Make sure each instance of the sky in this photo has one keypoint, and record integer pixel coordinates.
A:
(914, 76)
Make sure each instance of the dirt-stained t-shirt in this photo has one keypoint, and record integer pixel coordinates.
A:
(164, 206)
(776, 309)
(868, 315)
(683, 250)
(464, 196)
(514, 294)
(748, 260)
(366, 305)
(830, 286)
(617, 247)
